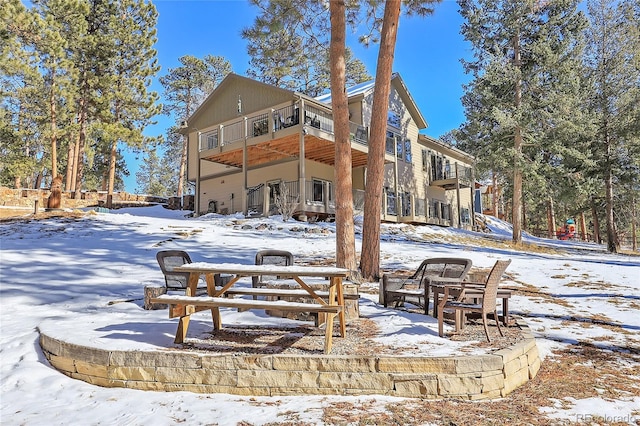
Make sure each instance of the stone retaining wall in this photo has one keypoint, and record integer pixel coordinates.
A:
(471, 377)
(10, 197)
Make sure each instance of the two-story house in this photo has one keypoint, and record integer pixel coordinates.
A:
(249, 142)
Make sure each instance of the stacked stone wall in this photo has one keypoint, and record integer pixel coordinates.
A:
(28, 197)
(472, 377)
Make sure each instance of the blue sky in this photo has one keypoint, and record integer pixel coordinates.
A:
(428, 54)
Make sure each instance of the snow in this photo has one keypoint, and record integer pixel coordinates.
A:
(83, 279)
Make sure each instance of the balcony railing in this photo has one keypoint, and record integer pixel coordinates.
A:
(233, 132)
(320, 196)
(276, 120)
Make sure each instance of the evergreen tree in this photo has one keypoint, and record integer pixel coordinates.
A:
(20, 86)
(147, 175)
(185, 88)
(156, 176)
(57, 24)
(370, 254)
(345, 234)
(134, 64)
(612, 61)
(521, 102)
(171, 157)
(289, 47)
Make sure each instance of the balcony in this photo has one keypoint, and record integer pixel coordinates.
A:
(450, 178)
(273, 135)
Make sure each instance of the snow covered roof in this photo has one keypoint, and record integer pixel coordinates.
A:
(358, 89)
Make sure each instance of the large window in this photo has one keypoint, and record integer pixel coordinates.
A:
(391, 201)
(425, 160)
(407, 150)
(401, 145)
(321, 191)
(406, 204)
(437, 172)
(390, 142)
(464, 216)
(274, 190)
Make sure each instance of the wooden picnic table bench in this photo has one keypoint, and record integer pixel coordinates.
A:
(183, 306)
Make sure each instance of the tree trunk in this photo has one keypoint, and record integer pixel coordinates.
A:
(54, 133)
(613, 245)
(183, 168)
(551, 218)
(81, 141)
(517, 145)
(634, 222)
(494, 194)
(113, 156)
(596, 222)
(583, 227)
(345, 233)
(112, 173)
(370, 256)
(71, 168)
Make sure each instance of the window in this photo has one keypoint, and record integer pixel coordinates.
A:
(407, 150)
(393, 119)
(406, 204)
(402, 146)
(446, 211)
(389, 146)
(391, 201)
(318, 190)
(274, 191)
(321, 191)
(439, 168)
(464, 216)
(435, 211)
(447, 169)
(425, 160)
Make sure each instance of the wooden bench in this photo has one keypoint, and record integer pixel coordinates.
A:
(184, 306)
(275, 292)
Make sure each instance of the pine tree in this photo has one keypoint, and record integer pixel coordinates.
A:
(370, 254)
(524, 91)
(57, 24)
(185, 88)
(20, 88)
(345, 234)
(289, 47)
(148, 175)
(612, 61)
(134, 64)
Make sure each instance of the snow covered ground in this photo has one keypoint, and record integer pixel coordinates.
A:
(63, 275)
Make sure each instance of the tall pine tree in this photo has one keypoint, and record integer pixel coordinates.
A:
(524, 91)
(185, 88)
(132, 105)
(612, 62)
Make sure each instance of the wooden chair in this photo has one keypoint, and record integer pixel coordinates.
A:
(415, 289)
(488, 294)
(169, 259)
(270, 257)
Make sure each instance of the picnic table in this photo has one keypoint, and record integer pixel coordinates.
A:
(183, 306)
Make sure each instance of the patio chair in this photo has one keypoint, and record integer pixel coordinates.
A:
(415, 289)
(169, 259)
(270, 257)
(489, 291)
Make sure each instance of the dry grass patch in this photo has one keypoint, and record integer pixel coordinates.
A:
(581, 371)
